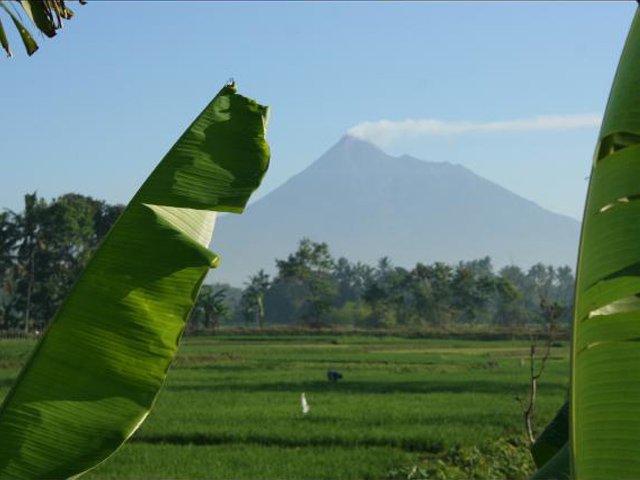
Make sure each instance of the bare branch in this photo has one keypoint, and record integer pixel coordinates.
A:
(551, 312)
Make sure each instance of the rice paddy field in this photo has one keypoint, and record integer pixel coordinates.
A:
(406, 408)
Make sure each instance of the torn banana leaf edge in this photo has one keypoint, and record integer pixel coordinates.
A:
(95, 374)
(603, 427)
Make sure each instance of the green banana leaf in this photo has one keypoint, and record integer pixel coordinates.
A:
(30, 44)
(553, 438)
(557, 468)
(96, 372)
(38, 16)
(4, 42)
(47, 16)
(605, 358)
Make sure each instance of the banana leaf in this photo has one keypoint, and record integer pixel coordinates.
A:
(46, 15)
(557, 468)
(95, 374)
(605, 358)
(553, 438)
(37, 12)
(4, 42)
(30, 44)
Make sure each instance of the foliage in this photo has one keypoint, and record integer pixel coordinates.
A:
(230, 407)
(600, 439)
(308, 272)
(43, 249)
(252, 300)
(95, 374)
(507, 459)
(210, 308)
(347, 293)
(351, 313)
(46, 15)
(438, 389)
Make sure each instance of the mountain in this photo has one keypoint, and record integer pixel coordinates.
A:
(366, 204)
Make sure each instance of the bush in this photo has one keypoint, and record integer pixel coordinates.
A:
(504, 459)
(351, 313)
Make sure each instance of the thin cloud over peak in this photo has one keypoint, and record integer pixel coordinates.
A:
(386, 132)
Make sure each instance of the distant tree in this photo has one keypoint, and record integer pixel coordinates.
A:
(510, 309)
(252, 300)
(397, 282)
(482, 267)
(379, 298)
(389, 296)
(68, 238)
(232, 297)
(361, 276)
(343, 273)
(514, 274)
(555, 284)
(471, 290)
(43, 249)
(104, 218)
(440, 279)
(8, 297)
(384, 268)
(8, 242)
(284, 303)
(29, 252)
(423, 294)
(210, 306)
(565, 291)
(543, 278)
(310, 267)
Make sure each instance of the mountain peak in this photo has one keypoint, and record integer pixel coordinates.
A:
(350, 145)
(367, 204)
(349, 139)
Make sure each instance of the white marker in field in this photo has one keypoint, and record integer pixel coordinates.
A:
(304, 404)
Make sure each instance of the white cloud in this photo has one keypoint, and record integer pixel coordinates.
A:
(385, 132)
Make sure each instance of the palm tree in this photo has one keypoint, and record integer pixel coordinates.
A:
(253, 297)
(212, 306)
(46, 15)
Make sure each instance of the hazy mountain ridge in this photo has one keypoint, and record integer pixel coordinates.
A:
(366, 204)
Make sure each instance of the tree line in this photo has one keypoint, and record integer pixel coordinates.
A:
(44, 248)
(312, 288)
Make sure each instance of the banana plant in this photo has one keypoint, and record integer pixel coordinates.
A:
(95, 374)
(46, 15)
(600, 435)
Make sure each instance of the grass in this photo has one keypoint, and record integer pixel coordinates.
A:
(231, 405)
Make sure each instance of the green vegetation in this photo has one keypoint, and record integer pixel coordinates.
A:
(605, 406)
(94, 375)
(231, 408)
(595, 433)
(313, 289)
(44, 248)
(47, 16)
(407, 408)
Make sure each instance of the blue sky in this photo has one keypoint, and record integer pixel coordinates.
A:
(96, 108)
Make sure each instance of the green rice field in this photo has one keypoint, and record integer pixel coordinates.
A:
(406, 408)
